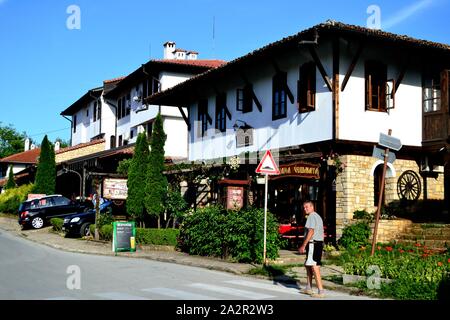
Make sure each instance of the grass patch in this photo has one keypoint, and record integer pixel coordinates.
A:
(270, 271)
(8, 215)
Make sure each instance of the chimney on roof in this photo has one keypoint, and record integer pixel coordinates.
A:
(57, 145)
(27, 144)
(191, 55)
(169, 48)
(33, 146)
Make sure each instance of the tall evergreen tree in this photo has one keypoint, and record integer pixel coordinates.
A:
(156, 188)
(136, 178)
(10, 183)
(45, 180)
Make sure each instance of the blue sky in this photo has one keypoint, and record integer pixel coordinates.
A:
(45, 66)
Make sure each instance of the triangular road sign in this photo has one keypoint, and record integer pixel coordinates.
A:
(267, 164)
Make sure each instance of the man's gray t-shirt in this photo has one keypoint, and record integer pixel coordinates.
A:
(315, 222)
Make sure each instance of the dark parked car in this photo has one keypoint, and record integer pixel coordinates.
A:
(78, 223)
(38, 212)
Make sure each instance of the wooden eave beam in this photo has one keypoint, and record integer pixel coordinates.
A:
(186, 119)
(352, 65)
(320, 67)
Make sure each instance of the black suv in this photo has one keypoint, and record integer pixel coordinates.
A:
(37, 212)
(78, 224)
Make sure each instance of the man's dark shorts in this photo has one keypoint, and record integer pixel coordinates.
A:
(314, 253)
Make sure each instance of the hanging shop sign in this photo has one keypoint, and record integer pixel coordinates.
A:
(235, 198)
(115, 189)
(300, 169)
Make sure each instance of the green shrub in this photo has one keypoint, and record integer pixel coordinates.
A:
(57, 224)
(213, 231)
(11, 199)
(355, 235)
(363, 214)
(155, 236)
(105, 232)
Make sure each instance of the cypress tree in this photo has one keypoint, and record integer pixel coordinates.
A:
(10, 183)
(136, 178)
(45, 180)
(156, 188)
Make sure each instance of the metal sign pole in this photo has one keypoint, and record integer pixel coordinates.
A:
(265, 217)
(380, 199)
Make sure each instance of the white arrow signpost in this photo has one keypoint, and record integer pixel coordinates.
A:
(266, 166)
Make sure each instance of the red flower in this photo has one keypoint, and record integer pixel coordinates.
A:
(448, 260)
(417, 244)
(379, 248)
(401, 250)
(410, 250)
(424, 255)
(439, 263)
(389, 249)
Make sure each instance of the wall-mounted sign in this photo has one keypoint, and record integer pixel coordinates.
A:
(300, 169)
(235, 198)
(115, 189)
(244, 137)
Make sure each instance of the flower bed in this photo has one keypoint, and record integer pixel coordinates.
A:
(417, 271)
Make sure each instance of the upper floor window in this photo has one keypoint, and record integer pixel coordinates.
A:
(74, 123)
(431, 93)
(150, 86)
(203, 117)
(221, 115)
(379, 90)
(97, 110)
(279, 96)
(244, 100)
(306, 88)
(123, 106)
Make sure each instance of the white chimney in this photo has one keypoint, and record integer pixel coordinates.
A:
(169, 48)
(33, 146)
(191, 55)
(57, 145)
(27, 144)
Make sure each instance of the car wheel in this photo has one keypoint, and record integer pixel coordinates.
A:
(37, 223)
(84, 230)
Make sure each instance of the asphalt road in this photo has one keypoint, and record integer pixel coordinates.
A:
(31, 271)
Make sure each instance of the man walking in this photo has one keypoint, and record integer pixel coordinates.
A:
(313, 243)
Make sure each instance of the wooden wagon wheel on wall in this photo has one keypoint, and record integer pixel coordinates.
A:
(408, 186)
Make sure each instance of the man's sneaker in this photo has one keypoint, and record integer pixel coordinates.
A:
(307, 291)
(318, 295)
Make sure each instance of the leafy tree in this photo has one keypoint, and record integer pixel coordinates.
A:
(46, 169)
(11, 141)
(175, 205)
(124, 166)
(136, 178)
(156, 188)
(10, 183)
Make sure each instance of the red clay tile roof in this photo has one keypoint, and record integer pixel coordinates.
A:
(199, 63)
(80, 145)
(29, 156)
(330, 27)
(113, 80)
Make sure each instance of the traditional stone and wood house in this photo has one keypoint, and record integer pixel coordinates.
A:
(319, 100)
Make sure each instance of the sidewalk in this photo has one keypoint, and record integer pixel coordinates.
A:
(296, 274)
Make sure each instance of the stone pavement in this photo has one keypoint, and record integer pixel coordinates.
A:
(296, 274)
